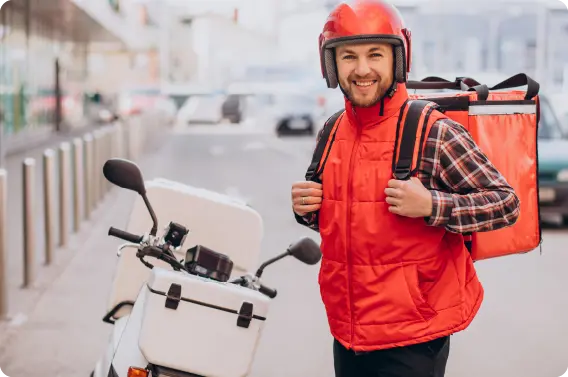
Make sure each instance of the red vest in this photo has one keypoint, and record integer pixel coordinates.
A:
(385, 280)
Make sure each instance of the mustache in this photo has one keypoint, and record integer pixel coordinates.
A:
(368, 77)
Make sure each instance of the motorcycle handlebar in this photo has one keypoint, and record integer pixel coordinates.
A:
(271, 293)
(267, 291)
(152, 252)
(124, 235)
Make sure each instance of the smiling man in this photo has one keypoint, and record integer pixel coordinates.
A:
(396, 277)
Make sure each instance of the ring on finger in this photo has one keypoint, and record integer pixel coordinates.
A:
(303, 200)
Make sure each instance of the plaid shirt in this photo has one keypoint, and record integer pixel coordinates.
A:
(468, 193)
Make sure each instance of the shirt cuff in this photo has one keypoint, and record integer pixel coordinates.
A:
(442, 206)
(307, 220)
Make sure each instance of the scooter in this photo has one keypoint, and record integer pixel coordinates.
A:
(191, 317)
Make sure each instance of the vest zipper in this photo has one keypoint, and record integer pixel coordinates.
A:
(348, 243)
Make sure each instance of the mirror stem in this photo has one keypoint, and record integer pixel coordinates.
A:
(269, 262)
(152, 214)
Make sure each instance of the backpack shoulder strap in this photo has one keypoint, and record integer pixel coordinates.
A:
(402, 168)
(313, 173)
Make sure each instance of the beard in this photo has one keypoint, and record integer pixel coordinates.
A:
(368, 99)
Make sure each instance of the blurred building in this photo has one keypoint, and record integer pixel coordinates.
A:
(504, 37)
(205, 47)
(45, 59)
(132, 64)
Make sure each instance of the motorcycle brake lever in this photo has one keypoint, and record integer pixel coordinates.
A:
(149, 251)
(123, 246)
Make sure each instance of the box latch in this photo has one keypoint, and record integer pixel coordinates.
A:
(245, 315)
(173, 297)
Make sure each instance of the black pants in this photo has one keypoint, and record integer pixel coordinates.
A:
(419, 360)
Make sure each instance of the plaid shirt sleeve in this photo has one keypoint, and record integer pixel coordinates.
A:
(468, 193)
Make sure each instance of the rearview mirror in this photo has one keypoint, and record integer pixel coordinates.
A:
(124, 173)
(306, 250)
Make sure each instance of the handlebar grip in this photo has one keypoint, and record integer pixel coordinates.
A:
(267, 291)
(124, 235)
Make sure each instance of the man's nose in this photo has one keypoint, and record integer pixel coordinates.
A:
(362, 68)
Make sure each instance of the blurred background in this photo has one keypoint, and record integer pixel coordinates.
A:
(242, 61)
(228, 95)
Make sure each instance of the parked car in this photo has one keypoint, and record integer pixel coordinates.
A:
(297, 114)
(559, 102)
(553, 163)
(232, 108)
(200, 108)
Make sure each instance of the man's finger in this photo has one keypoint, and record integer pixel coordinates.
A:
(416, 180)
(393, 201)
(307, 185)
(306, 192)
(307, 208)
(393, 192)
(394, 183)
(308, 200)
(395, 210)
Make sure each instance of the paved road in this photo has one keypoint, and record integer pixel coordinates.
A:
(518, 333)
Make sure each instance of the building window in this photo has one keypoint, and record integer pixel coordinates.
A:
(14, 83)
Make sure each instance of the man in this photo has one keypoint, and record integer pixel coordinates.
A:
(396, 278)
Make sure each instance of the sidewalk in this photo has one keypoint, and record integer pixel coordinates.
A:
(57, 319)
(38, 343)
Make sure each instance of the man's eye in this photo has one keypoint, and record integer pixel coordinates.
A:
(376, 55)
(348, 57)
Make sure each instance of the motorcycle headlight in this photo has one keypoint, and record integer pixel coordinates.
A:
(562, 175)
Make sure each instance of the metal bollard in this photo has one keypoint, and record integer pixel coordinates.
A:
(104, 158)
(78, 179)
(119, 149)
(48, 198)
(126, 140)
(29, 234)
(64, 181)
(130, 139)
(110, 153)
(140, 137)
(92, 180)
(95, 176)
(100, 159)
(87, 177)
(99, 147)
(3, 235)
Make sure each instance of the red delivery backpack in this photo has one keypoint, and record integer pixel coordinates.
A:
(504, 124)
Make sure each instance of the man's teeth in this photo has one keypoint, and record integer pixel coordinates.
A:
(364, 83)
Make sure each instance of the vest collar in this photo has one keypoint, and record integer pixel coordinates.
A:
(370, 116)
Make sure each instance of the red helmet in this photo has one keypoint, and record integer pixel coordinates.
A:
(365, 21)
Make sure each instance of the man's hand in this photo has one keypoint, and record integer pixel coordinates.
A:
(409, 198)
(306, 197)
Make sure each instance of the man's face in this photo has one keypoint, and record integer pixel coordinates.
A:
(365, 71)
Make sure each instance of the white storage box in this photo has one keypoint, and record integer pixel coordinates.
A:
(193, 324)
(214, 220)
